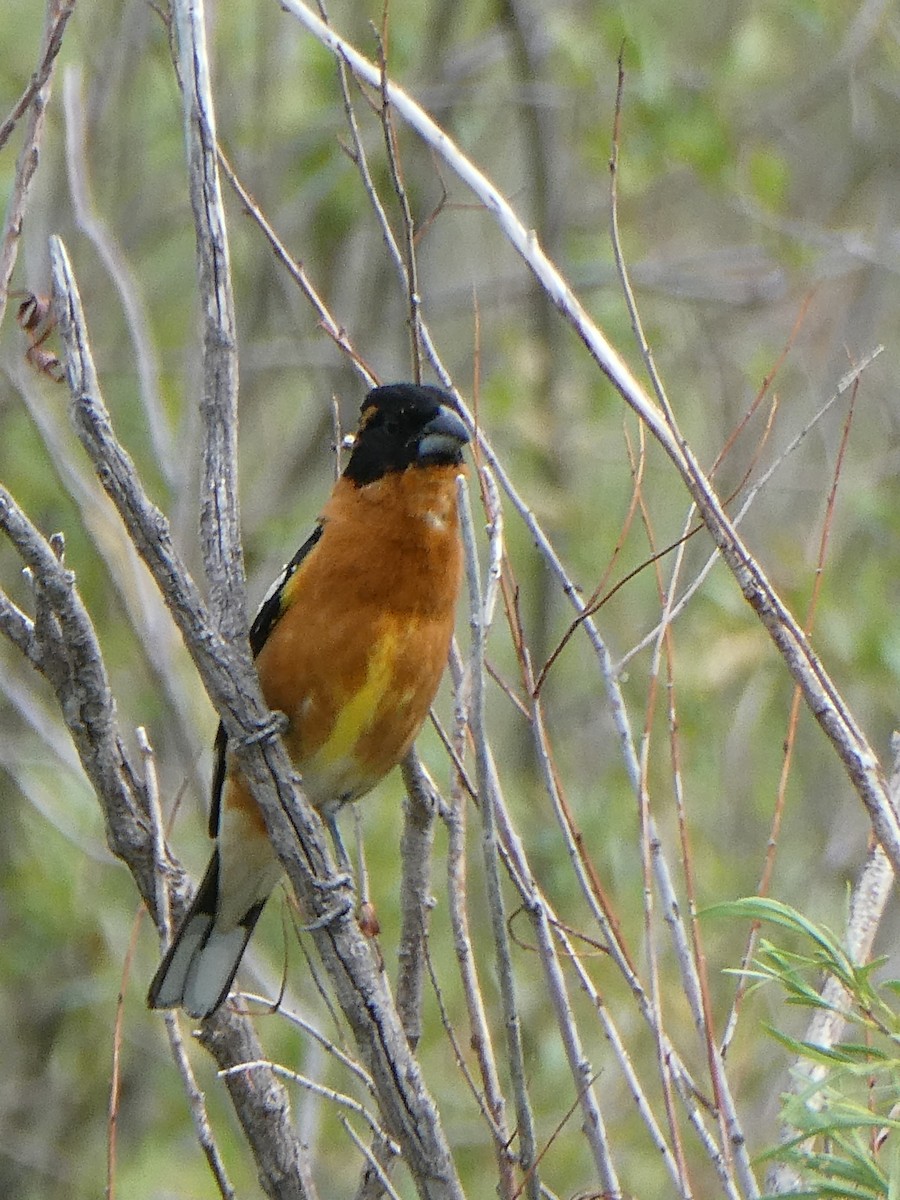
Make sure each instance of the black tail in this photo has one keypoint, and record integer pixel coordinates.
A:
(202, 960)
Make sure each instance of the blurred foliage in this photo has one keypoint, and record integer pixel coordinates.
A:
(759, 170)
(841, 1124)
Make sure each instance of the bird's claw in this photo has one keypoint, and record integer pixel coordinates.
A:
(334, 882)
(268, 730)
(330, 917)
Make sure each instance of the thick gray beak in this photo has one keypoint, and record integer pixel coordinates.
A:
(443, 438)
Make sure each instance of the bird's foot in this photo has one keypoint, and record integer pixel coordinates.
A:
(330, 917)
(268, 730)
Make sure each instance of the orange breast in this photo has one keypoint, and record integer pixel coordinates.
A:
(357, 657)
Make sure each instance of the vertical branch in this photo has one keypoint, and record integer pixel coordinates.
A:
(219, 507)
(484, 773)
(480, 1039)
(412, 952)
(649, 845)
(543, 919)
(415, 886)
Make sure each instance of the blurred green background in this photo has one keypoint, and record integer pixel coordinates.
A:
(759, 171)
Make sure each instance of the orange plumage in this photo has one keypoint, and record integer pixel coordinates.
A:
(350, 646)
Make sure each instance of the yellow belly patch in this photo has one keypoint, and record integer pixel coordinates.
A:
(335, 759)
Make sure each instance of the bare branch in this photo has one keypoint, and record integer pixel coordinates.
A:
(493, 1103)
(220, 530)
(339, 1098)
(196, 1099)
(415, 891)
(486, 787)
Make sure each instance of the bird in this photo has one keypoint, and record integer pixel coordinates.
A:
(350, 645)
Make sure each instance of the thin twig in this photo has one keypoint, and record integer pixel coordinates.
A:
(319, 1089)
(297, 272)
(310, 1030)
(848, 381)
(651, 864)
(545, 925)
(480, 1039)
(484, 774)
(790, 739)
(58, 13)
(500, 1134)
(360, 161)
(413, 299)
(19, 628)
(373, 1165)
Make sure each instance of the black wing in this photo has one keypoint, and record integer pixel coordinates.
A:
(263, 624)
(270, 609)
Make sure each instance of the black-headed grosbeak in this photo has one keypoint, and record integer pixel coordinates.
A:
(350, 646)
